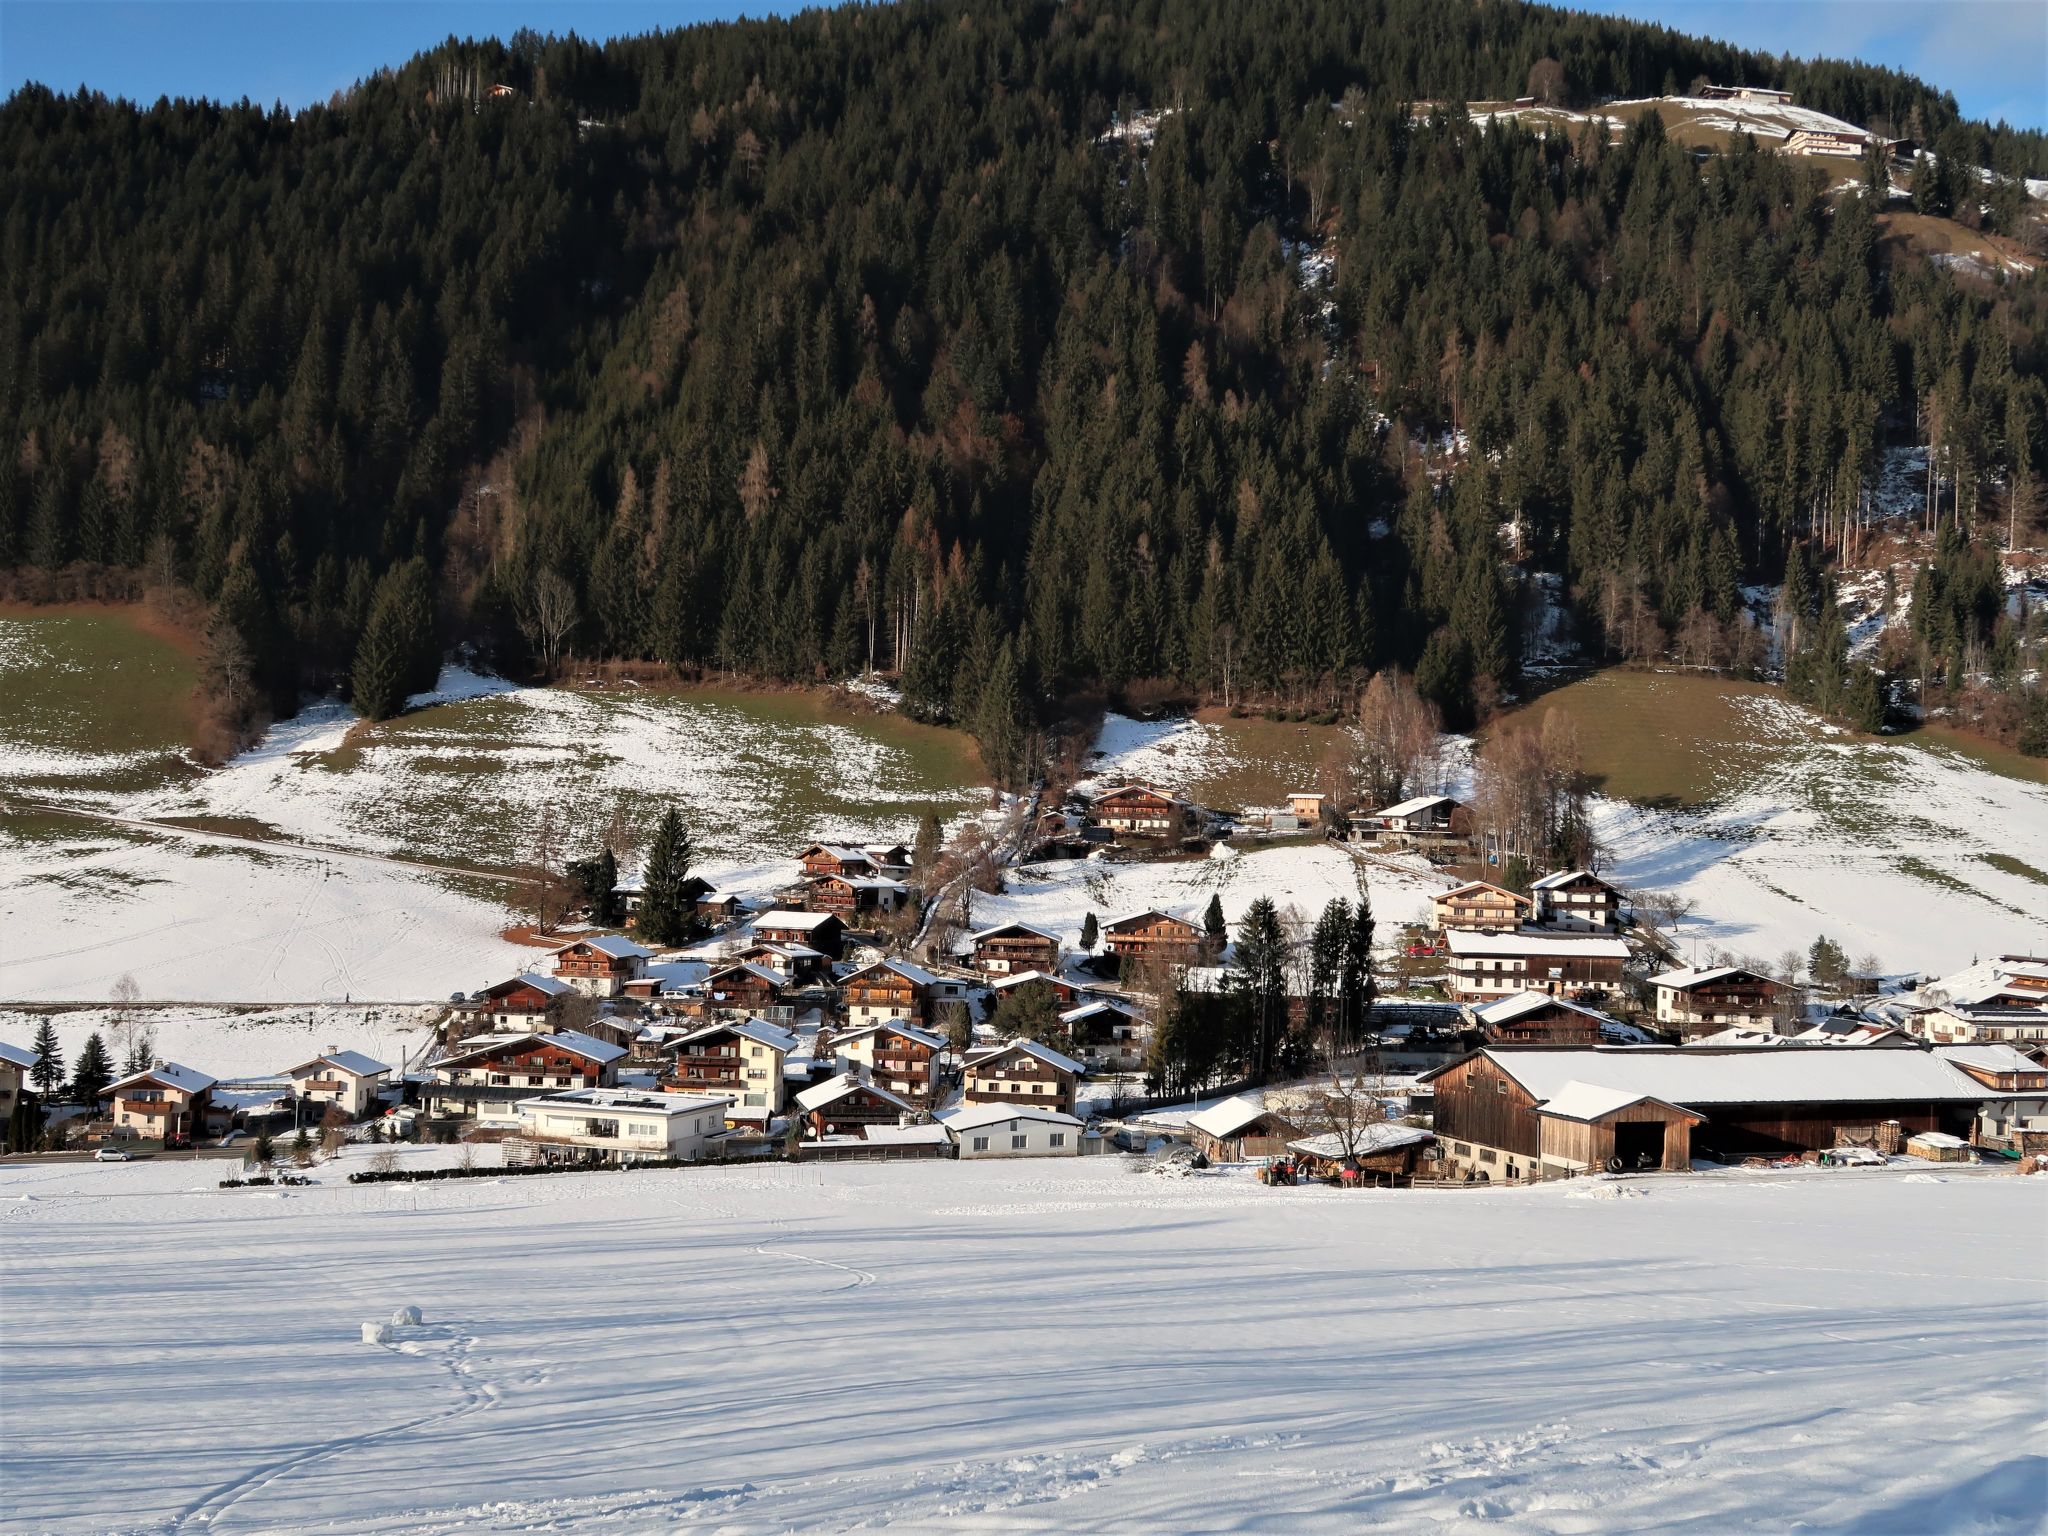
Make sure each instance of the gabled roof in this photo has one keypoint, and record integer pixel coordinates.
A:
(772, 977)
(1594, 946)
(865, 882)
(1989, 1058)
(354, 1063)
(840, 851)
(1484, 885)
(916, 975)
(802, 922)
(618, 946)
(1023, 978)
(1563, 877)
(1367, 1140)
(1147, 915)
(638, 1100)
(832, 1090)
(1589, 1101)
(1698, 1078)
(1135, 789)
(573, 1041)
(1231, 1116)
(1419, 803)
(923, 1037)
(18, 1056)
(1000, 928)
(760, 1031)
(169, 1073)
(1100, 1005)
(1044, 1053)
(1687, 977)
(547, 986)
(1521, 1004)
(975, 1117)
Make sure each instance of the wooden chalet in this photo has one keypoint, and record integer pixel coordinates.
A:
(1423, 821)
(1537, 1018)
(1696, 1001)
(901, 1057)
(1578, 898)
(164, 1102)
(1530, 1112)
(1479, 906)
(799, 962)
(601, 966)
(822, 931)
(1107, 1035)
(1154, 936)
(746, 988)
(2014, 1116)
(888, 991)
(821, 860)
(487, 1076)
(525, 1001)
(1489, 966)
(1307, 804)
(1825, 141)
(1014, 948)
(1022, 1071)
(845, 1105)
(856, 898)
(740, 1061)
(1068, 994)
(1240, 1129)
(1137, 810)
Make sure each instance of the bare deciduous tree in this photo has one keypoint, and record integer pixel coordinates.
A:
(1398, 734)
(548, 616)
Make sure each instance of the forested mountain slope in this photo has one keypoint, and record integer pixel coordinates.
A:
(1020, 347)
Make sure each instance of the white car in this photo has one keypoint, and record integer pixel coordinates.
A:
(113, 1155)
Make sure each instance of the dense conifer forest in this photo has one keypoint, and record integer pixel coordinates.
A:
(1022, 349)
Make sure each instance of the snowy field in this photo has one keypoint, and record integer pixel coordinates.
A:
(1044, 1347)
(239, 1042)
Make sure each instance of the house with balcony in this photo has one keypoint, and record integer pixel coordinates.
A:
(823, 931)
(889, 991)
(164, 1102)
(1578, 898)
(1013, 948)
(615, 1125)
(1153, 935)
(1107, 1036)
(603, 965)
(347, 1079)
(1479, 906)
(901, 1057)
(1138, 810)
(1022, 1071)
(740, 1062)
(1700, 1000)
(1489, 966)
(526, 1001)
(847, 1104)
(487, 1075)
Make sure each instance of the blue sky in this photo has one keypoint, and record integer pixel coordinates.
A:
(1993, 54)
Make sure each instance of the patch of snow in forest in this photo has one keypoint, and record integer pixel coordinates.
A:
(1140, 127)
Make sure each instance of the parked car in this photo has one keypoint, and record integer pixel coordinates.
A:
(113, 1155)
(1419, 949)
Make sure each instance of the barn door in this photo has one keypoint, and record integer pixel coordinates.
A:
(1639, 1143)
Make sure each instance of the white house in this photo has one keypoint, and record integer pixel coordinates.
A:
(740, 1061)
(347, 1078)
(619, 1125)
(16, 1062)
(1014, 1130)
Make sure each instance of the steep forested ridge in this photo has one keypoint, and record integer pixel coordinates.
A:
(973, 341)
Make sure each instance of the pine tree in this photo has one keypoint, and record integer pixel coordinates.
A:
(1212, 921)
(377, 676)
(92, 1071)
(1090, 934)
(1355, 988)
(1260, 979)
(1328, 946)
(48, 1072)
(666, 912)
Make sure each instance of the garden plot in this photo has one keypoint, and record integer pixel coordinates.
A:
(778, 1347)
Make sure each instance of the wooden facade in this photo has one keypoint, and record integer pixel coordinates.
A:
(905, 1063)
(1553, 1022)
(1480, 907)
(1016, 1074)
(821, 860)
(1702, 1002)
(1137, 811)
(1014, 949)
(1578, 898)
(745, 988)
(1649, 1128)
(886, 990)
(851, 1107)
(824, 932)
(1154, 935)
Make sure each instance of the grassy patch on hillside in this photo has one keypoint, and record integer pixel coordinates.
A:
(1259, 761)
(2013, 866)
(96, 697)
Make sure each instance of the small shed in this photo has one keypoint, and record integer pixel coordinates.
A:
(1240, 1129)
(1584, 1126)
(1374, 1154)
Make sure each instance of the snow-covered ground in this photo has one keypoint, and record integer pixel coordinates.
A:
(1024, 1347)
(236, 1042)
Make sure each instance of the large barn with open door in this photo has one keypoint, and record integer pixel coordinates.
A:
(1540, 1112)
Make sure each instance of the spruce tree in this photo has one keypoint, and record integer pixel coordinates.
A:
(1355, 989)
(377, 676)
(1260, 980)
(92, 1071)
(666, 912)
(1090, 934)
(48, 1072)
(1212, 921)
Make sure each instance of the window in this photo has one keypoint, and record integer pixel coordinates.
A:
(981, 1143)
(1019, 1143)
(1488, 1155)
(1058, 1138)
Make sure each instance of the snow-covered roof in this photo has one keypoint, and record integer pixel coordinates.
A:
(169, 1073)
(905, 1135)
(573, 1041)
(867, 882)
(989, 933)
(1419, 803)
(1563, 877)
(1145, 916)
(639, 1101)
(1689, 1076)
(916, 975)
(1507, 1009)
(1367, 1140)
(18, 1056)
(1850, 1032)
(1591, 946)
(833, 1089)
(909, 1031)
(1023, 978)
(774, 978)
(975, 1117)
(1737, 1035)
(1988, 1058)
(547, 986)
(1100, 1005)
(1482, 885)
(1589, 1101)
(354, 1063)
(760, 1031)
(1687, 976)
(1044, 1053)
(801, 922)
(1936, 1139)
(1229, 1117)
(616, 945)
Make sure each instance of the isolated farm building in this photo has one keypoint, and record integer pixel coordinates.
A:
(886, 990)
(1424, 820)
(1486, 966)
(1240, 1129)
(615, 1125)
(165, 1102)
(1578, 898)
(601, 966)
(348, 1079)
(1825, 141)
(1138, 810)
(1683, 1102)
(1695, 1000)
(1479, 906)
(1014, 947)
(526, 1001)
(488, 1076)
(1022, 1070)
(1307, 804)
(843, 1105)
(1383, 1153)
(1014, 1130)
(822, 931)
(1069, 993)
(746, 989)
(900, 1056)
(1540, 1019)
(16, 1062)
(1153, 935)
(2014, 1116)
(1762, 95)
(740, 1062)
(1107, 1035)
